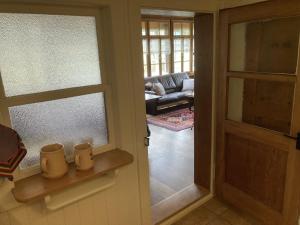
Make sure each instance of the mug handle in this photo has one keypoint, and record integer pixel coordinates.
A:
(44, 165)
(77, 160)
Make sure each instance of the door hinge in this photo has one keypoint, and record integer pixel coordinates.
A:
(147, 141)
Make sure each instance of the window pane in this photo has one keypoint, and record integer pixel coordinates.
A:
(145, 46)
(154, 45)
(165, 45)
(144, 28)
(154, 28)
(164, 28)
(177, 44)
(177, 29)
(145, 71)
(154, 58)
(68, 121)
(186, 28)
(269, 46)
(186, 66)
(267, 104)
(145, 58)
(177, 67)
(177, 56)
(186, 56)
(165, 58)
(155, 70)
(165, 69)
(47, 52)
(187, 44)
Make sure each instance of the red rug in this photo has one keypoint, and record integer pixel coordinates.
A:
(176, 121)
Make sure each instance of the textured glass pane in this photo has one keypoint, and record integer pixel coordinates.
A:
(177, 29)
(145, 46)
(177, 45)
(154, 28)
(47, 52)
(154, 70)
(154, 45)
(177, 67)
(143, 28)
(68, 121)
(164, 28)
(186, 66)
(186, 28)
(154, 58)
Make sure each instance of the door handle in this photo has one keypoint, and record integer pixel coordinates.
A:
(295, 138)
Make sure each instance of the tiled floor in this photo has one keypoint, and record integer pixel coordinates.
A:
(216, 213)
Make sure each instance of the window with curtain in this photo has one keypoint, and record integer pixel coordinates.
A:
(51, 87)
(167, 46)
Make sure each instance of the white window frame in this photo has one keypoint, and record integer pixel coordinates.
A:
(104, 87)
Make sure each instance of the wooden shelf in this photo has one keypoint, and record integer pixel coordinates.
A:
(37, 187)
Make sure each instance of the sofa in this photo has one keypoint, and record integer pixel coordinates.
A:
(173, 98)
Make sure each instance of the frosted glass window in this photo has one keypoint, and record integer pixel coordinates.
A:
(47, 52)
(68, 121)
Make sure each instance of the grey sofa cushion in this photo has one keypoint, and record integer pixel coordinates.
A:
(178, 79)
(172, 97)
(167, 82)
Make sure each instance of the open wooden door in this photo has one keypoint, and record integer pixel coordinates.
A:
(259, 110)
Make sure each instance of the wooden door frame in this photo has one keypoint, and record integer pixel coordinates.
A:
(204, 56)
(259, 11)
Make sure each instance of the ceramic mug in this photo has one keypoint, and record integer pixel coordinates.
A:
(83, 156)
(53, 162)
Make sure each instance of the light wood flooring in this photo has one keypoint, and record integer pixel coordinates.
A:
(216, 213)
(171, 162)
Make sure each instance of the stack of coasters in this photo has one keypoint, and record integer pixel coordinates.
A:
(12, 151)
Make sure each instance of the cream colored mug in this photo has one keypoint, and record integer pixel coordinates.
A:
(83, 156)
(53, 162)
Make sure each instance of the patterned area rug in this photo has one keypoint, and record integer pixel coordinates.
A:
(176, 121)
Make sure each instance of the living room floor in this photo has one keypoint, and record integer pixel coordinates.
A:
(171, 162)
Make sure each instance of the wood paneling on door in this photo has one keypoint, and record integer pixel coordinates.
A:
(257, 169)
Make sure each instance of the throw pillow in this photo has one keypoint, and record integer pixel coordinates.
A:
(148, 86)
(188, 85)
(159, 89)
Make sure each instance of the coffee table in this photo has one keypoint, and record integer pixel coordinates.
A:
(151, 108)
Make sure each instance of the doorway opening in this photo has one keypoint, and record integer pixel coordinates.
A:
(173, 99)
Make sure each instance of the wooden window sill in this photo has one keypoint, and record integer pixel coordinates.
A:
(37, 187)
